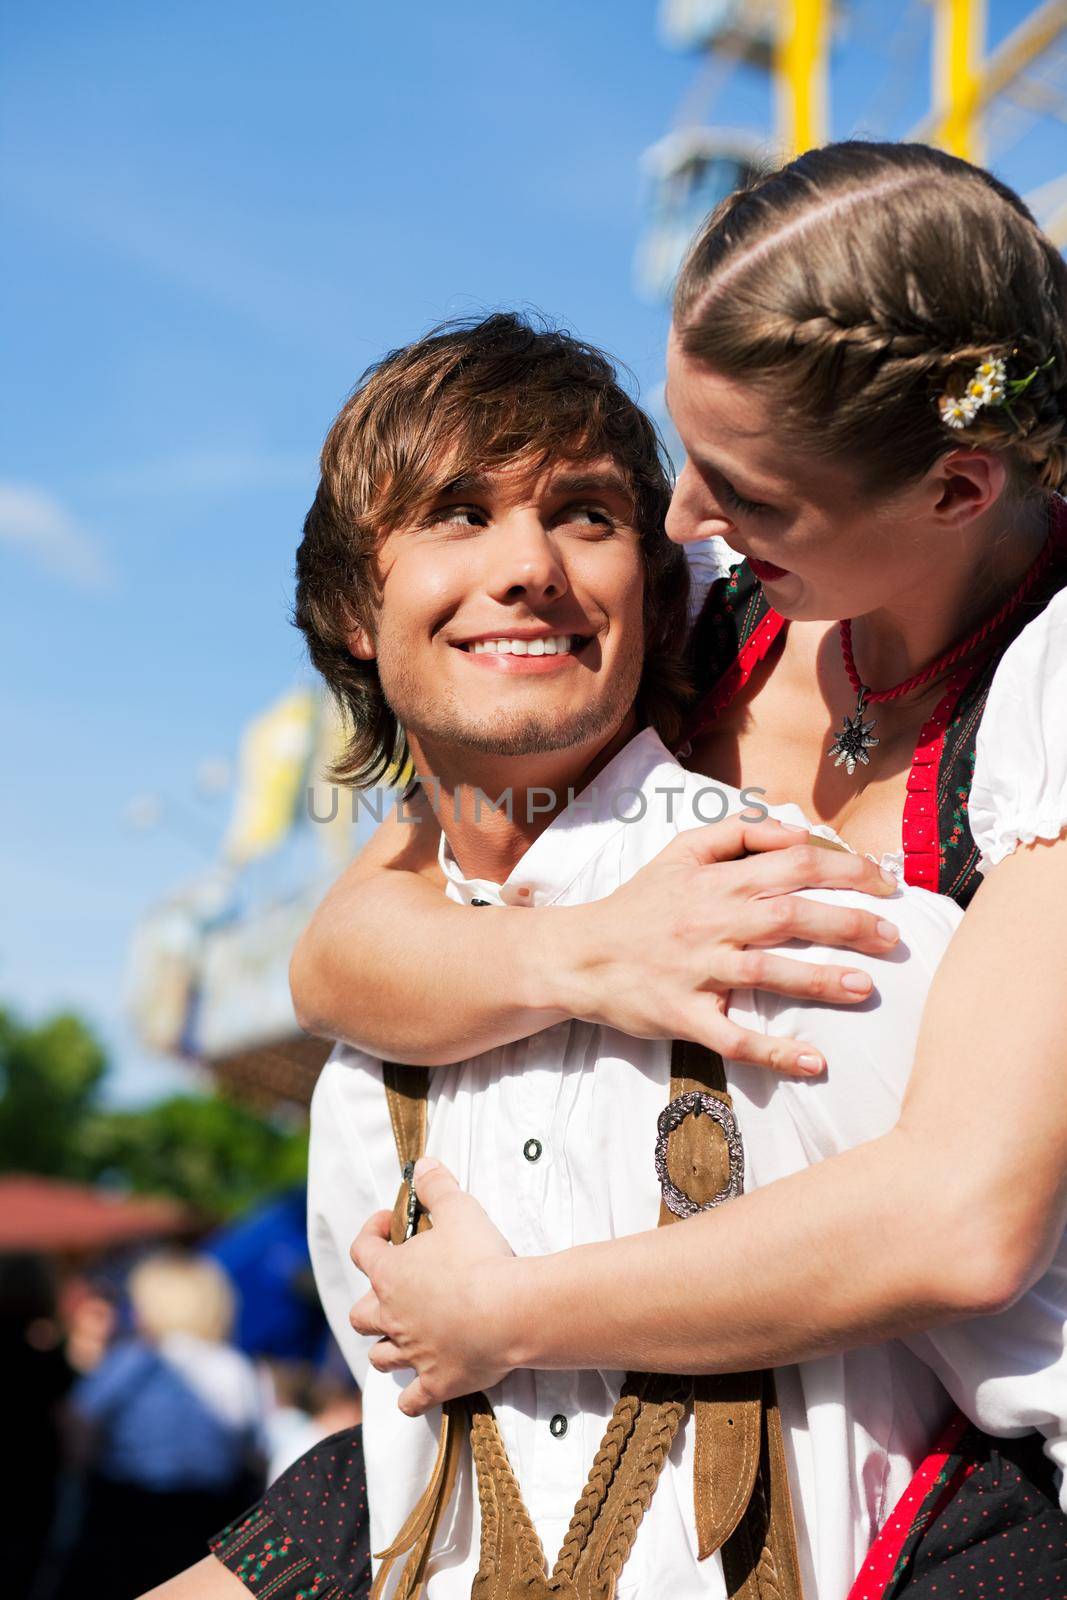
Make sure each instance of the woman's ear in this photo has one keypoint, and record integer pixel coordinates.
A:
(966, 483)
(361, 644)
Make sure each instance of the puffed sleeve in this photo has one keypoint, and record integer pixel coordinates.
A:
(1019, 792)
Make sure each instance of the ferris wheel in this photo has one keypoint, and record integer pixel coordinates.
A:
(982, 103)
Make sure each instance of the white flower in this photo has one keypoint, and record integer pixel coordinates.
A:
(985, 392)
(957, 412)
(988, 387)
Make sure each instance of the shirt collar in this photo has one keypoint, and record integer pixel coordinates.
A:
(576, 834)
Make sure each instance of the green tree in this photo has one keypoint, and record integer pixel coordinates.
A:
(216, 1155)
(49, 1079)
(210, 1152)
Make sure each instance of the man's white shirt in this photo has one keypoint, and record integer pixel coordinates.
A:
(555, 1134)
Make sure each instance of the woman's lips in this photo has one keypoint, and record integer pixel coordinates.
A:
(766, 571)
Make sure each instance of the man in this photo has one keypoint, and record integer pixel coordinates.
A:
(483, 572)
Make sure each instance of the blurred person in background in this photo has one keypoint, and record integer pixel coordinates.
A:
(169, 1427)
(36, 1377)
(308, 1407)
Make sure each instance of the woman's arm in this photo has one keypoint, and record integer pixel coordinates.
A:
(390, 965)
(207, 1580)
(955, 1212)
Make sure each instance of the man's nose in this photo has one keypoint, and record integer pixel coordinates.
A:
(525, 563)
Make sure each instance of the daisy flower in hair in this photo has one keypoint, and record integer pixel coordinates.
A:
(989, 384)
(957, 411)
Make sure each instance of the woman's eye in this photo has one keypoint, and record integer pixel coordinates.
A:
(738, 502)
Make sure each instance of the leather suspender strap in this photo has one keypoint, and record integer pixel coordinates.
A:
(741, 1495)
(406, 1091)
(741, 1490)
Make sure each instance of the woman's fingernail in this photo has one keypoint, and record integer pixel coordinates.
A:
(856, 982)
(810, 1064)
(888, 879)
(888, 932)
(424, 1165)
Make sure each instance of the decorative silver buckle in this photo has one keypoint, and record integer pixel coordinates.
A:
(698, 1104)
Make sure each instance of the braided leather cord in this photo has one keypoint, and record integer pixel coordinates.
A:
(626, 1468)
(607, 1559)
(618, 1433)
(502, 1509)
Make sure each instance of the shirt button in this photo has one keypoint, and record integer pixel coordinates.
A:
(532, 1151)
(558, 1426)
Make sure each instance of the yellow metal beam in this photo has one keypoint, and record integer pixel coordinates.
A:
(801, 72)
(959, 44)
(1029, 40)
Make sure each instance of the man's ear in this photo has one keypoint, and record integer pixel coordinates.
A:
(361, 643)
(965, 484)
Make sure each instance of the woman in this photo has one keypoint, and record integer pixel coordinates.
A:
(868, 369)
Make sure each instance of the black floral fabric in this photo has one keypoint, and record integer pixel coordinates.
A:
(307, 1539)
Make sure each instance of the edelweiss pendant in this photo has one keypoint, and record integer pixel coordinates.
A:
(854, 740)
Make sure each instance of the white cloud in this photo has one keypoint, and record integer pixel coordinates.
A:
(34, 520)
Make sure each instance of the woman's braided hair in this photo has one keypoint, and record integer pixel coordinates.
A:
(860, 284)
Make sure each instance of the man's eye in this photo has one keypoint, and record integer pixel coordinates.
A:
(466, 516)
(588, 514)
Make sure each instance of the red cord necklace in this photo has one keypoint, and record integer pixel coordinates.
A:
(854, 740)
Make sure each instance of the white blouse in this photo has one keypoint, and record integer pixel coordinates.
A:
(1019, 792)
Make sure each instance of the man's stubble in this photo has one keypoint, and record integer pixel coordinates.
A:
(508, 733)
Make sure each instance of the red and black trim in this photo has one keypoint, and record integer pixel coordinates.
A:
(737, 628)
(981, 1519)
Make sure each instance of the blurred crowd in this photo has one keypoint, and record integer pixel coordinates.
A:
(136, 1426)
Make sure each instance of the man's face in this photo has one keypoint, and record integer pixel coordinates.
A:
(511, 613)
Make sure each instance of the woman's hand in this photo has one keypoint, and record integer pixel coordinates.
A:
(659, 956)
(435, 1300)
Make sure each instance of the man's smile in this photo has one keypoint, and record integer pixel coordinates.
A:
(524, 651)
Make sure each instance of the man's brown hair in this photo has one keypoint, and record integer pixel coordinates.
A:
(471, 397)
(861, 283)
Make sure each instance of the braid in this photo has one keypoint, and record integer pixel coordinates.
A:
(669, 1420)
(501, 1503)
(861, 284)
(605, 1465)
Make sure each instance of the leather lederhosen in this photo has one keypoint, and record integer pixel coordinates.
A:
(741, 1490)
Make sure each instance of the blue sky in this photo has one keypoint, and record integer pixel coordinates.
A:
(216, 215)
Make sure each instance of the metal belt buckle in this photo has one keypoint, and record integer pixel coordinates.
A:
(414, 1206)
(698, 1104)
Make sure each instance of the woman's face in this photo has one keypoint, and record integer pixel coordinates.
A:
(822, 547)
